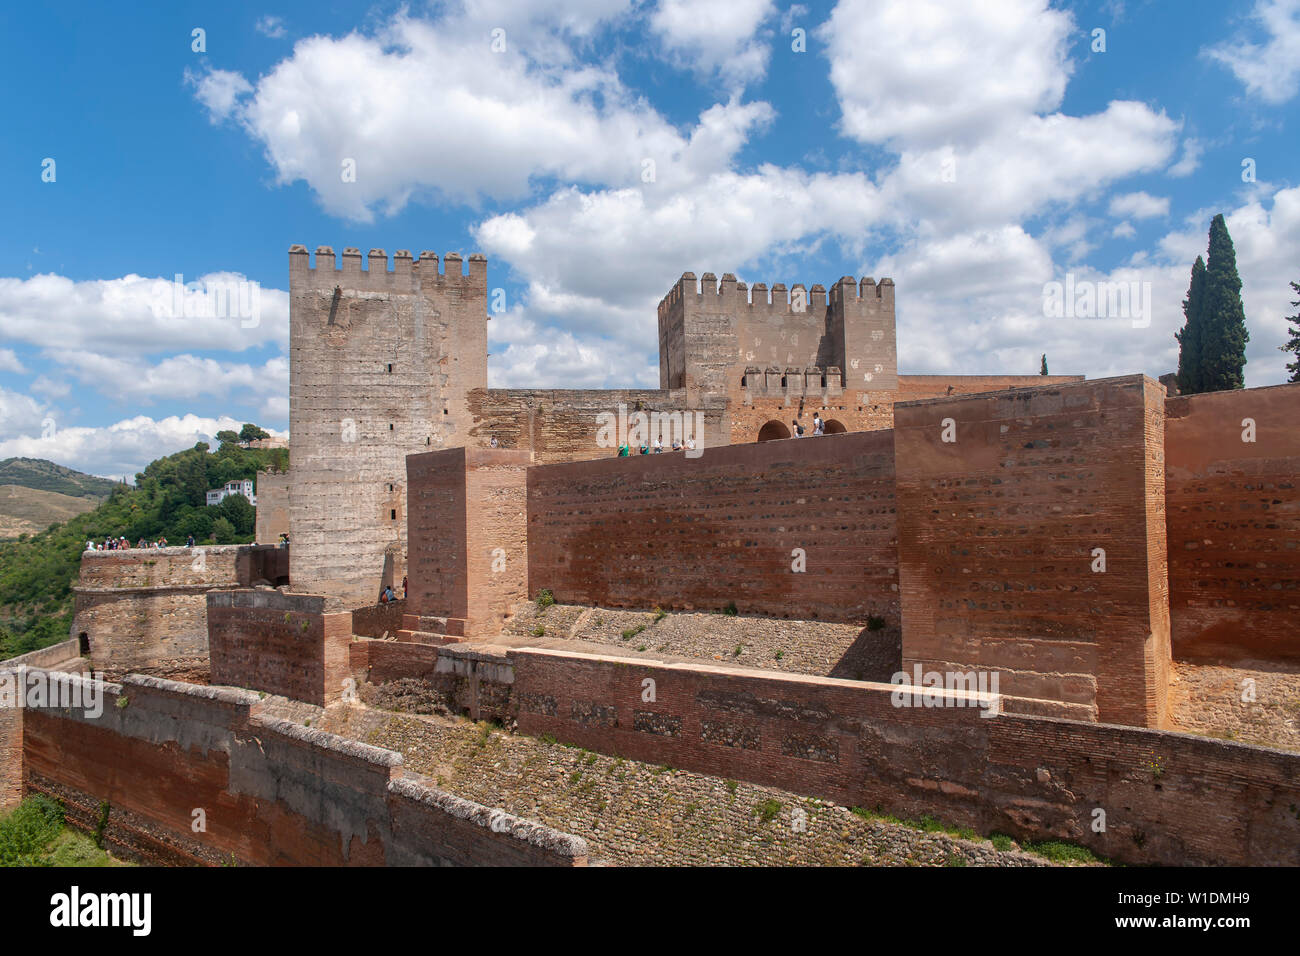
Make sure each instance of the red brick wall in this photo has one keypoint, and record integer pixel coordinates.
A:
(1169, 798)
(378, 620)
(996, 537)
(272, 793)
(467, 537)
(1234, 524)
(436, 534)
(676, 532)
(285, 644)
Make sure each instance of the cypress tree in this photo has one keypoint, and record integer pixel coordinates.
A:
(1224, 335)
(1293, 346)
(1043, 368)
(1189, 339)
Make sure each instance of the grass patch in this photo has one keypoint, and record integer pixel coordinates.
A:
(632, 632)
(1059, 851)
(660, 614)
(34, 834)
(545, 598)
(768, 810)
(1001, 842)
(539, 631)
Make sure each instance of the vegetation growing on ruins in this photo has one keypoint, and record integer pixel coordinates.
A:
(168, 500)
(34, 834)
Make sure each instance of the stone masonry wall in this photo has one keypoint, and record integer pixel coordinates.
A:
(271, 792)
(677, 532)
(293, 645)
(998, 536)
(1170, 798)
(565, 425)
(140, 608)
(1234, 524)
(272, 506)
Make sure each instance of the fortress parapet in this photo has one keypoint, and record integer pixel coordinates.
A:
(406, 275)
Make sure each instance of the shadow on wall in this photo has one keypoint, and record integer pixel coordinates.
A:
(773, 430)
(875, 655)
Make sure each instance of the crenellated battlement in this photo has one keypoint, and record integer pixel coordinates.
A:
(406, 275)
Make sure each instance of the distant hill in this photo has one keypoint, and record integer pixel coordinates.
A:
(47, 476)
(29, 510)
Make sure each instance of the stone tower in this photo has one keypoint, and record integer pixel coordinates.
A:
(380, 365)
(712, 335)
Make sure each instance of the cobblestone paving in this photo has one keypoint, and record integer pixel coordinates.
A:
(632, 813)
(798, 647)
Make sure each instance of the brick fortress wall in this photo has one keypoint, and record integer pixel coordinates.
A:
(699, 533)
(1169, 798)
(1234, 524)
(294, 645)
(998, 535)
(272, 793)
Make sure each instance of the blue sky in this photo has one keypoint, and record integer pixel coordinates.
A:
(973, 152)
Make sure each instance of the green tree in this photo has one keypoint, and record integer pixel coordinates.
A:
(251, 432)
(1042, 369)
(1293, 346)
(1223, 343)
(239, 512)
(227, 436)
(1189, 339)
(223, 532)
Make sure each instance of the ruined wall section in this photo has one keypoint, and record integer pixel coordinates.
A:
(145, 608)
(380, 366)
(1004, 501)
(1234, 524)
(273, 792)
(1170, 798)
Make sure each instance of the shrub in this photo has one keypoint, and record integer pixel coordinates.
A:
(545, 598)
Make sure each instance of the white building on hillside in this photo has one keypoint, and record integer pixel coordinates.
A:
(245, 488)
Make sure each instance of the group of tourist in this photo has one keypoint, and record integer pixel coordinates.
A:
(625, 450)
(819, 426)
(122, 544)
(388, 595)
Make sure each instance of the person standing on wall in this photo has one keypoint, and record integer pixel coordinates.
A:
(798, 429)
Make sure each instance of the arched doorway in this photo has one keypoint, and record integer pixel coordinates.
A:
(772, 431)
(833, 427)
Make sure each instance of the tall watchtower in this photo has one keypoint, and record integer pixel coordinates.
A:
(380, 365)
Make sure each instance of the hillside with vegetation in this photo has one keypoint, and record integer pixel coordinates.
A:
(168, 500)
(29, 510)
(47, 476)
